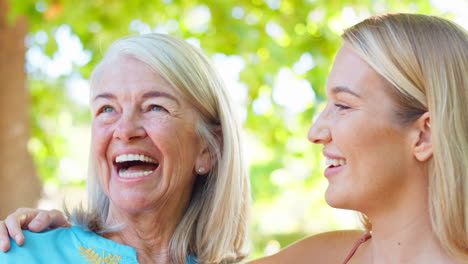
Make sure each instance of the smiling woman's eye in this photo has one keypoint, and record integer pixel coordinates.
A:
(156, 108)
(342, 107)
(107, 109)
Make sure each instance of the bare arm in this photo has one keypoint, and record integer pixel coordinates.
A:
(323, 248)
(35, 220)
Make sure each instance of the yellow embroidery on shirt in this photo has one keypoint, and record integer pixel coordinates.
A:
(93, 257)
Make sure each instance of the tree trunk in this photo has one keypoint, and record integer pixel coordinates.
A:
(19, 186)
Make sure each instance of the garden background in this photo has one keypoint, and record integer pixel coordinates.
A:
(274, 56)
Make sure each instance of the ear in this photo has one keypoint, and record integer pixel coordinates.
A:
(205, 161)
(422, 148)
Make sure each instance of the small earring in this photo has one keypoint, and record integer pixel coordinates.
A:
(201, 170)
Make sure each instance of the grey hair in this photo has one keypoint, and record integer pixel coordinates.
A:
(215, 223)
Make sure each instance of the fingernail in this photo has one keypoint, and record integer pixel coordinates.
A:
(18, 239)
(2, 244)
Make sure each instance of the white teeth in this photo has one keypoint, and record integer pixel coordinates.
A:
(334, 162)
(134, 157)
(124, 174)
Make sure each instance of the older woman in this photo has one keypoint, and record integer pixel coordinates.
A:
(166, 161)
(395, 137)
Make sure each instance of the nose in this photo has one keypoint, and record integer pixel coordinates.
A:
(129, 128)
(320, 133)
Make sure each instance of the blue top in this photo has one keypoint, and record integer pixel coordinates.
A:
(70, 245)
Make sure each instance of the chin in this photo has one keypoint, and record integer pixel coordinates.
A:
(130, 203)
(337, 199)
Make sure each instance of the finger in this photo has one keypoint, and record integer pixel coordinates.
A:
(58, 219)
(4, 239)
(13, 226)
(20, 218)
(48, 219)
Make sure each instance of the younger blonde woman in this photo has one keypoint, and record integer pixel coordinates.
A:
(395, 136)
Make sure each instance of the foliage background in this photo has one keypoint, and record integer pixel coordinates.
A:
(273, 54)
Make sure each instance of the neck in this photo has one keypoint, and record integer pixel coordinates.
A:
(402, 239)
(402, 231)
(148, 233)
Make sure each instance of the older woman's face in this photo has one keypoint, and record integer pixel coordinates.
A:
(367, 150)
(143, 138)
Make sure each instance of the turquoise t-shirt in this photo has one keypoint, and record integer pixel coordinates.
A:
(70, 246)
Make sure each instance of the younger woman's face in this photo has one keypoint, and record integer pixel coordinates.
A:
(368, 152)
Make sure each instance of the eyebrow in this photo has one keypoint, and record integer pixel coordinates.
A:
(145, 95)
(105, 96)
(160, 94)
(344, 89)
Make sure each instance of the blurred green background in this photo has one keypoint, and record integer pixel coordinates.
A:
(274, 55)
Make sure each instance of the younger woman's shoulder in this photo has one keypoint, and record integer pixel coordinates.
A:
(329, 247)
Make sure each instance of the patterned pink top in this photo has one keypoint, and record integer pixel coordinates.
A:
(363, 239)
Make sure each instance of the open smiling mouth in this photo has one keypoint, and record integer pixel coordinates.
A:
(332, 163)
(135, 165)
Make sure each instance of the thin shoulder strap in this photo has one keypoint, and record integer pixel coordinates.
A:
(361, 240)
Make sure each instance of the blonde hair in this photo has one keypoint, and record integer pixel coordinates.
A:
(425, 58)
(214, 226)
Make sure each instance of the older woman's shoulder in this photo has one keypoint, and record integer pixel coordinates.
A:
(329, 247)
(67, 245)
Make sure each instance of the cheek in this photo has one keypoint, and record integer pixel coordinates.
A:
(172, 134)
(162, 134)
(177, 142)
(98, 135)
(101, 133)
(100, 139)
(381, 158)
